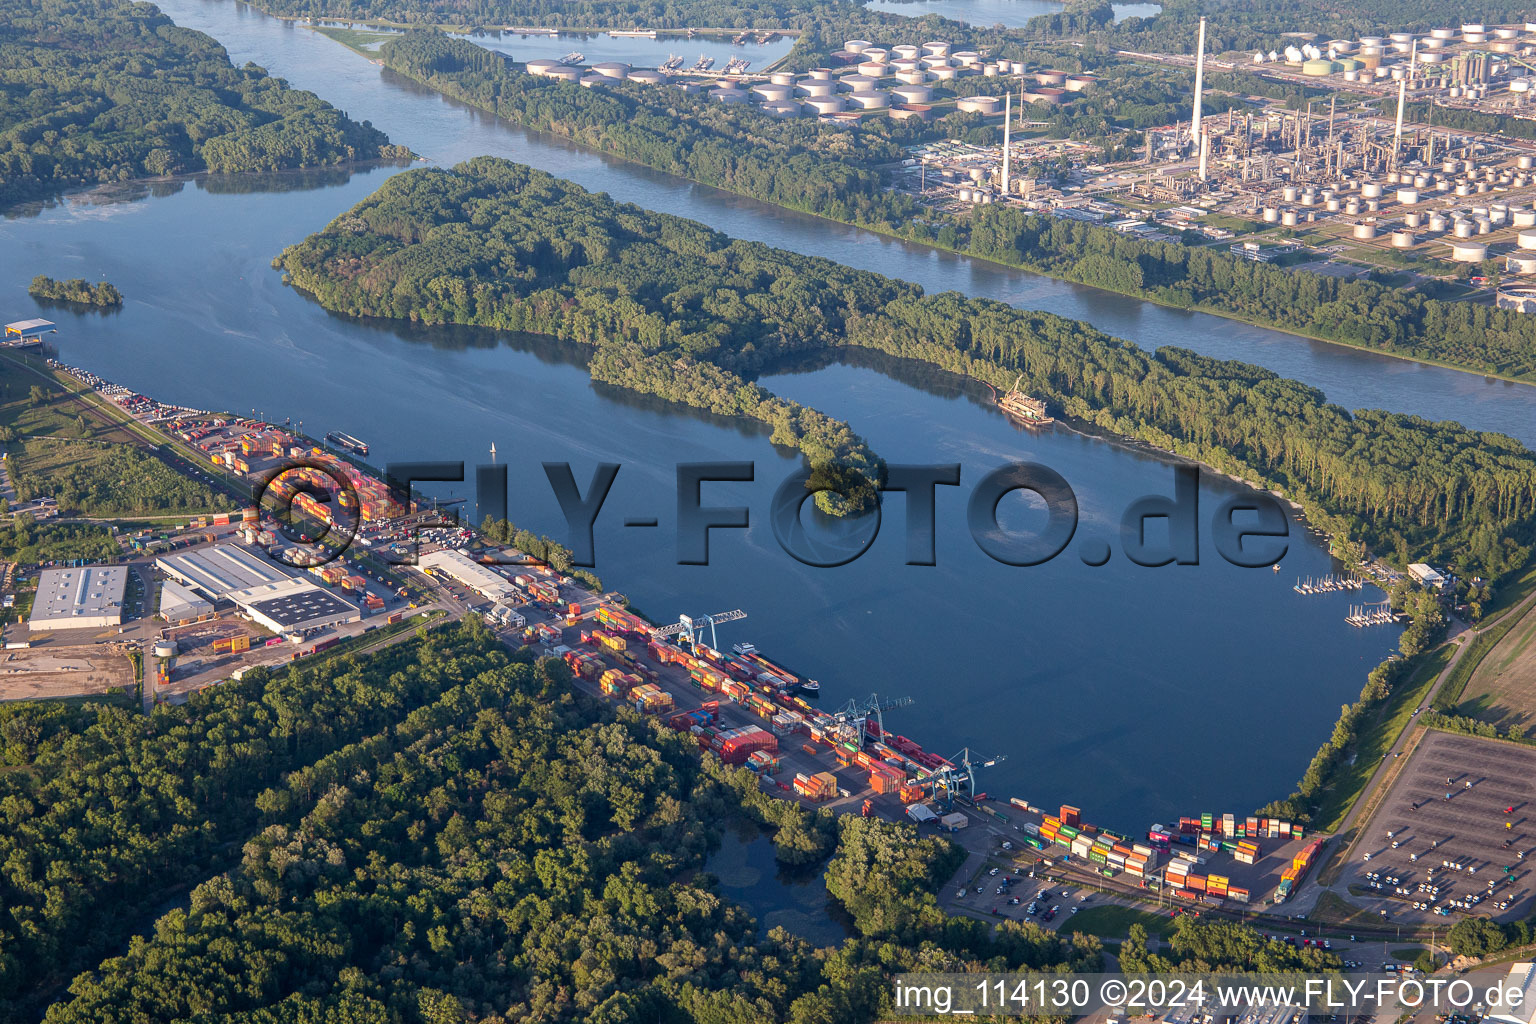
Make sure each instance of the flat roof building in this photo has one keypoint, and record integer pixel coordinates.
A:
(482, 580)
(1519, 1009)
(294, 605)
(221, 570)
(181, 604)
(1426, 576)
(79, 598)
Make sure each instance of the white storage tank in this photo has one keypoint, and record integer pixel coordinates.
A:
(867, 101)
(1332, 205)
(935, 62)
(1484, 225)
(1403, 239)
(1437, 222)
(1520, 263)
(911, 77)
(612, 69)
(783, 108)
(774, 93)
(1288, 218)
(541, 66)
(1408, 196)
(817, 88)
(874, 69)
(1271, 215)
(906, 64)
(912, 93)
(646, 76)
(1309, 198)
(1527, 240)
(564, 74)
(989, 71)
(905, 50)
(1413, 220)
(1442, 33)
(1364, 231)
(875, 54)
(1289, 193)
(1522, 218)
(824, 105)
(729, 95)
(1371, 190)
(1464, 229)
(1469, 252)
(936, 48)
(944, 74)
(857, 45)
(967, 58)
(856, 83)
(593, 80)
(1352, 207)
(820, 74)
(979, 104)
(781, 78)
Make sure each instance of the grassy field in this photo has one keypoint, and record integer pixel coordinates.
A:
(58, 414)
(1501, 687)
(1333, 909)
(357, 39)
(1377, 738)
(1114, 922)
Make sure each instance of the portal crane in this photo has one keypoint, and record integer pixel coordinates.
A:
(959, 774)
(691, 627)
(853, 718)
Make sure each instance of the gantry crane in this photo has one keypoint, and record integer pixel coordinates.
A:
(959, 775)
(853, 718)
(691, 627)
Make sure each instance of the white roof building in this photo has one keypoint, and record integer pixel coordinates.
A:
(484, 581)
(294, 605)
(220, 570)
(79, 598)
(1426, 576)
(180, 604)
(1519, 1009)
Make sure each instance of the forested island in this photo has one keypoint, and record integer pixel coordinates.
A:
(95, 91)
(76, 289)
(828, 171)
(672, 308)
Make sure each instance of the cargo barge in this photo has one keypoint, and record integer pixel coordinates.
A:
(1019, 406)
(347, 442)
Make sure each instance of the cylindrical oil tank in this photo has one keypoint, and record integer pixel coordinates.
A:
(876, 54)
(935, 62)
(937, 47)
(1366, 230)
(1431, 57)
(1289, 193)
(1522, 218)
(965, 195)
(541, 66)
(728, 95)
(1318, 68)
(1374, 40)
(594, 80)
(1464, 189)
(824, 104)
(1309, 198)
(1527, 240)
(1437, 222)
(647, 76)
(911, 77)
(1271, 215)
(1081, 83)
(870, 69)
(857, 45)
(774, 93)
(943, 74)
(1403, 239)
(1518, 263)
(915, 111)
(1051, 77)
(911, 93)
(1464, 229)
(1521, 85)
(1288, 218)
(856, 83)
(1484, 225)
(1401, 37)
(1442, 33)
(783, 108)
(967, 58)
(1370, 61)
(979, 104)
(989, 71)
(820, 74)
(781, 78)
(1408, 196)
(1332, 205)
(612, 69)
(164, 649)
(1413, 219)
(906, 64)
(564, 74)
(867, 101)
(905, 50)
(1469, 252)
(817, 88)
(1352, 207)
(1371, 189)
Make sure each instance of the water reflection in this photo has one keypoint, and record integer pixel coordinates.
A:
(792, 898)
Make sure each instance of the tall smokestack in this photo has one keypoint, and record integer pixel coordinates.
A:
(1397, 133)
(1205, 149)
(1007, 125)
(1194, 124)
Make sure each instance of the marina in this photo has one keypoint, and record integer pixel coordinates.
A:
(1327, 584)
(1363, 615)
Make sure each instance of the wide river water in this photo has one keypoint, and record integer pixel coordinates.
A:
(1121, 689)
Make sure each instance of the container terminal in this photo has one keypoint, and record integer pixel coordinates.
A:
(736, 704)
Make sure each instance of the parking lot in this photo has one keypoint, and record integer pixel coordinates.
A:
(1463, 810)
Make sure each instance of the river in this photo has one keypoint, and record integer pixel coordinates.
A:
(1121, 689)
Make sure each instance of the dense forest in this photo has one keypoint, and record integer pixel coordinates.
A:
(76, 289)
(91, 478)
(24, 540)
(440, 833)
(673, 308)
(96, 91)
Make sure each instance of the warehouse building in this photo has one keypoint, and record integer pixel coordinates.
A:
(221, 570)
(79, 598)
(482, 580)
(293, 605)
(1517, 996)
(180, 604)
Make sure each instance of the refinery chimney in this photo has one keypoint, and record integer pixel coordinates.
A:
(1007, 124)
(1205, 149)
(1194, 125)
